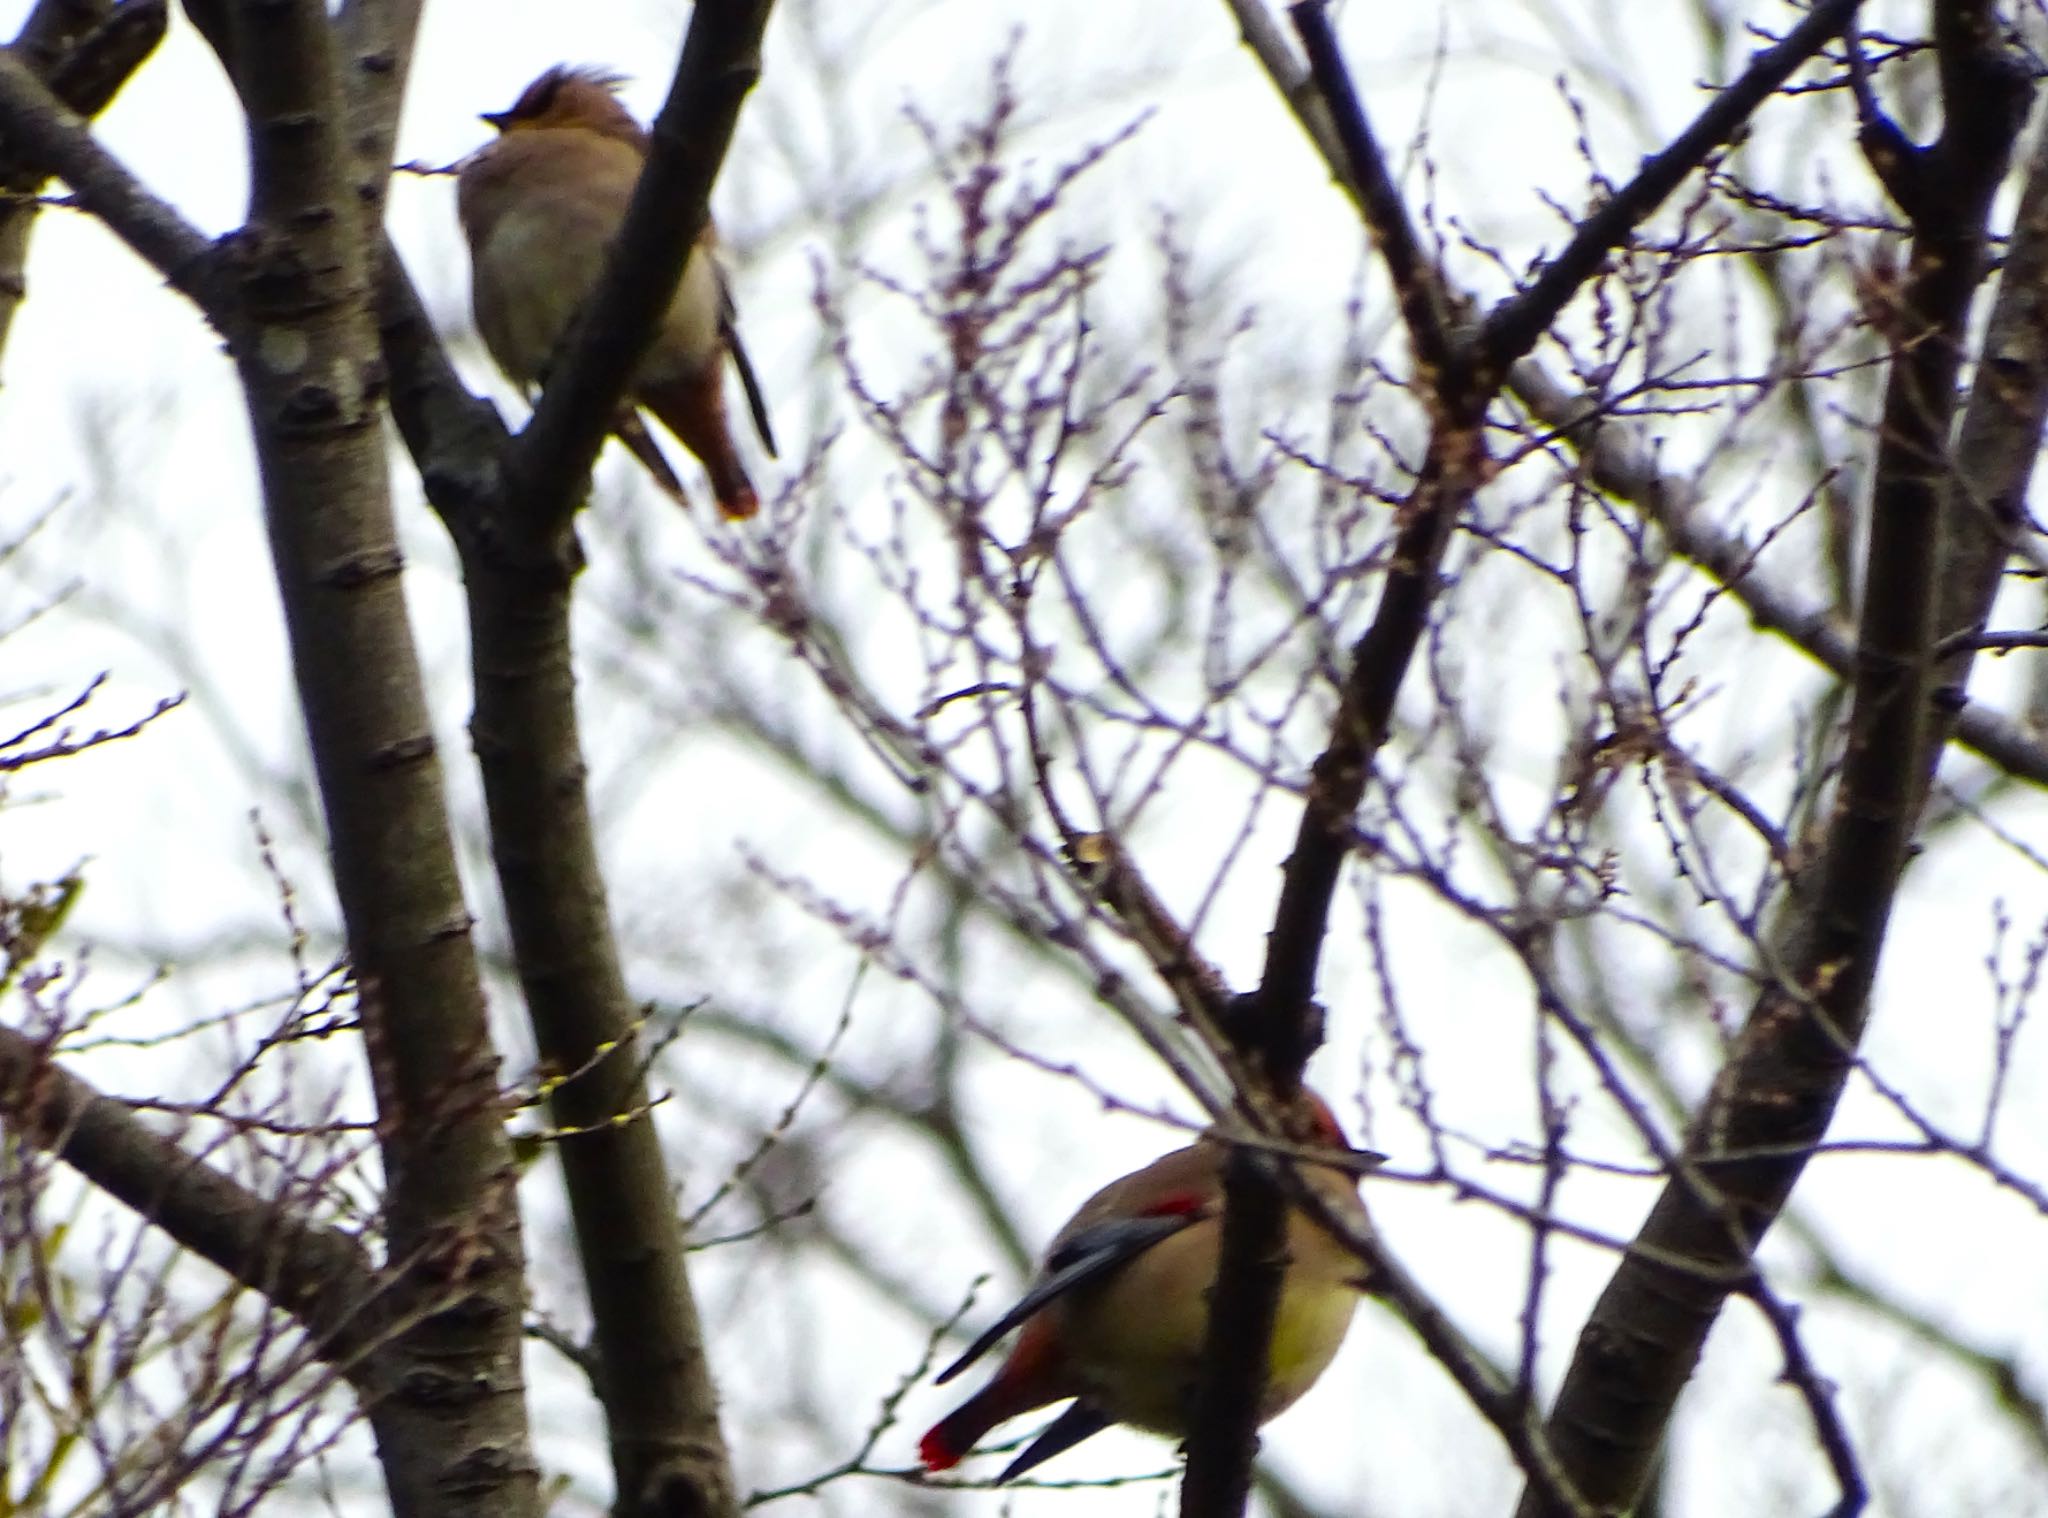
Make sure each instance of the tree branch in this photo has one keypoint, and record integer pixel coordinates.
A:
(47, 138)
(444, 1394)
(1514, 326)
(440, 1379)
(1418, 282)
(317, 1275)
(1773, 1101)
(289, 294)
(1997, 448)
(519, 559)
(457, 440)
(1284, 1026)
(1459, 389)
(84, 53)
(1620, 466)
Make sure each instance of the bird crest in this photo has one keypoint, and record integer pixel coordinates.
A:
(567, 95)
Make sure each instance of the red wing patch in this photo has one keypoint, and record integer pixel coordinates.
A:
(1179, 1205)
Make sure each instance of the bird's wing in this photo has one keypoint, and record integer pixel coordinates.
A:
(1078, 1422)
(1080, 1257)
(632, 431)
(729, 329)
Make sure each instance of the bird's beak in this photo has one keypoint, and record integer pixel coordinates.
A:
(496, 118)
(1356, 1161)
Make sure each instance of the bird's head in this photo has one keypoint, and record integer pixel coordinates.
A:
(1309, 1118)
(566, 98)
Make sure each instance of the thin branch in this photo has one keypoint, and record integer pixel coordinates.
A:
(1379, 661)
(318, 1275)
(1496, 1400)
(1618, 463)
(457, 440)
(1781, 1085)
(84, 53)
(1655, 1371)
(44, 136)
(1819, 1395)
(1460, 382)
(1418, 282)
(1999, 1371)
(1282, 1026)
(1515, 326)
(1285, 1026)
(1990, 642)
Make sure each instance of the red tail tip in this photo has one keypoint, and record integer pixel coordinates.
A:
(936, 1451)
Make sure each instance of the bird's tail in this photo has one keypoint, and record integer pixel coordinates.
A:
(947, 1441)
(1035, 1374)
(693, 408)
(632, 431)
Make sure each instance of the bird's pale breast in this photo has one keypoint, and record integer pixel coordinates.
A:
(1137, 1338)
(540, 208)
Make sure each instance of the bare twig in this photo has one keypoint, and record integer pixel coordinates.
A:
(1782, 1083)
(1418, 282)
(1819, 1395)
(318, 1275)
(1515, 326)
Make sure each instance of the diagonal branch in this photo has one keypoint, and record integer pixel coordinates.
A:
(317, 1275)
(46, 137)
(1626, 469)
(2004, 415)
(1774, 1099)
(84, 53)
(1514, 326)
(1286, 1027)
(1460, 385)
(457, 440)
(1998, 435)
(1418, 282)
(1622, 467)
(1460, 388)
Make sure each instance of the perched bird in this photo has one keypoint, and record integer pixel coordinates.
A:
(1117, 1317)
(540, 206)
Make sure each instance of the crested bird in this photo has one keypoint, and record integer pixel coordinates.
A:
(1118, 1314)
(540, 206)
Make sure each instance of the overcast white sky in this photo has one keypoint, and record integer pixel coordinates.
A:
(119, 412)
